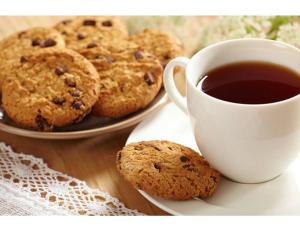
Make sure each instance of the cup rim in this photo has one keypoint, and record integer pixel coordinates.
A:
(222, 43)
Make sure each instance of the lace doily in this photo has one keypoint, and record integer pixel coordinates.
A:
(29, 187)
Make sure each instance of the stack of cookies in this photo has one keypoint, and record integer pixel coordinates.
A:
(53, 77)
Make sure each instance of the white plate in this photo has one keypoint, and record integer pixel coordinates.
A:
(89, 126)
(281, 196)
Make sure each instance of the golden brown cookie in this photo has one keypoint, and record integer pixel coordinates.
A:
(90, 31)
(164, 46)
(26, 42)
(50, 88)
(167, 170)
(129, 78)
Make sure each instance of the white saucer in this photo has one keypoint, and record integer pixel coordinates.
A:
(281, 196)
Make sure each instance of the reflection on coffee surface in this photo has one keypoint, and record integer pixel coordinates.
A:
(251, 83)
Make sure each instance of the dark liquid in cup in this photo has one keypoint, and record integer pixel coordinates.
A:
(252, 83)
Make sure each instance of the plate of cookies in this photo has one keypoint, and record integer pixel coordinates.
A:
(83, 77)
(168, 171)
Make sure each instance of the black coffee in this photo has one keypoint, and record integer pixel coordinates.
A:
(252, 83)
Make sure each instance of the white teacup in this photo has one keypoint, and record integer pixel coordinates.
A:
(248, 143)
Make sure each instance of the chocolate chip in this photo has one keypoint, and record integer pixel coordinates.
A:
(138, 148)
(102, 86)
(64, 33)
(80, 36)
(60, 70)
(91, 45)
(122, 87)
(76, 105)
(138, 55)
(153, 146)
(35, 42)
(89, 22)
(23, 59)
(167, 57)
(148, 77)
(119, 155)
(184, 158)
(107, 23)
(214, 178)
(75, 93)
(41, 122)
(67, 21)
(59, 100)
(49, 43)
(99, 57)
(156, 148)
(70, 82)
(190, 167)
(157, 166)
(21, 34)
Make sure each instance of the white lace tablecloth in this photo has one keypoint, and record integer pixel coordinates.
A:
(29, 187)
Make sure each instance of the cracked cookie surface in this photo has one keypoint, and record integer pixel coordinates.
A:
(167, 170)
(50, 88)
(26, 42)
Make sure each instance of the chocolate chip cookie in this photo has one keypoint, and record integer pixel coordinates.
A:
(164, 46)
(25, 42)
(91, 31)
(49, 88)
(167, 170)
(129, 78)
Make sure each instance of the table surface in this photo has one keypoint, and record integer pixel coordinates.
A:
(86, 159)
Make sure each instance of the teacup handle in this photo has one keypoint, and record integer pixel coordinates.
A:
(169, 83)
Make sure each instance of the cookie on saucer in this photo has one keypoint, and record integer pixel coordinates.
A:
(129, 78)
(26, 42)
(168, 170)
(49, 88)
